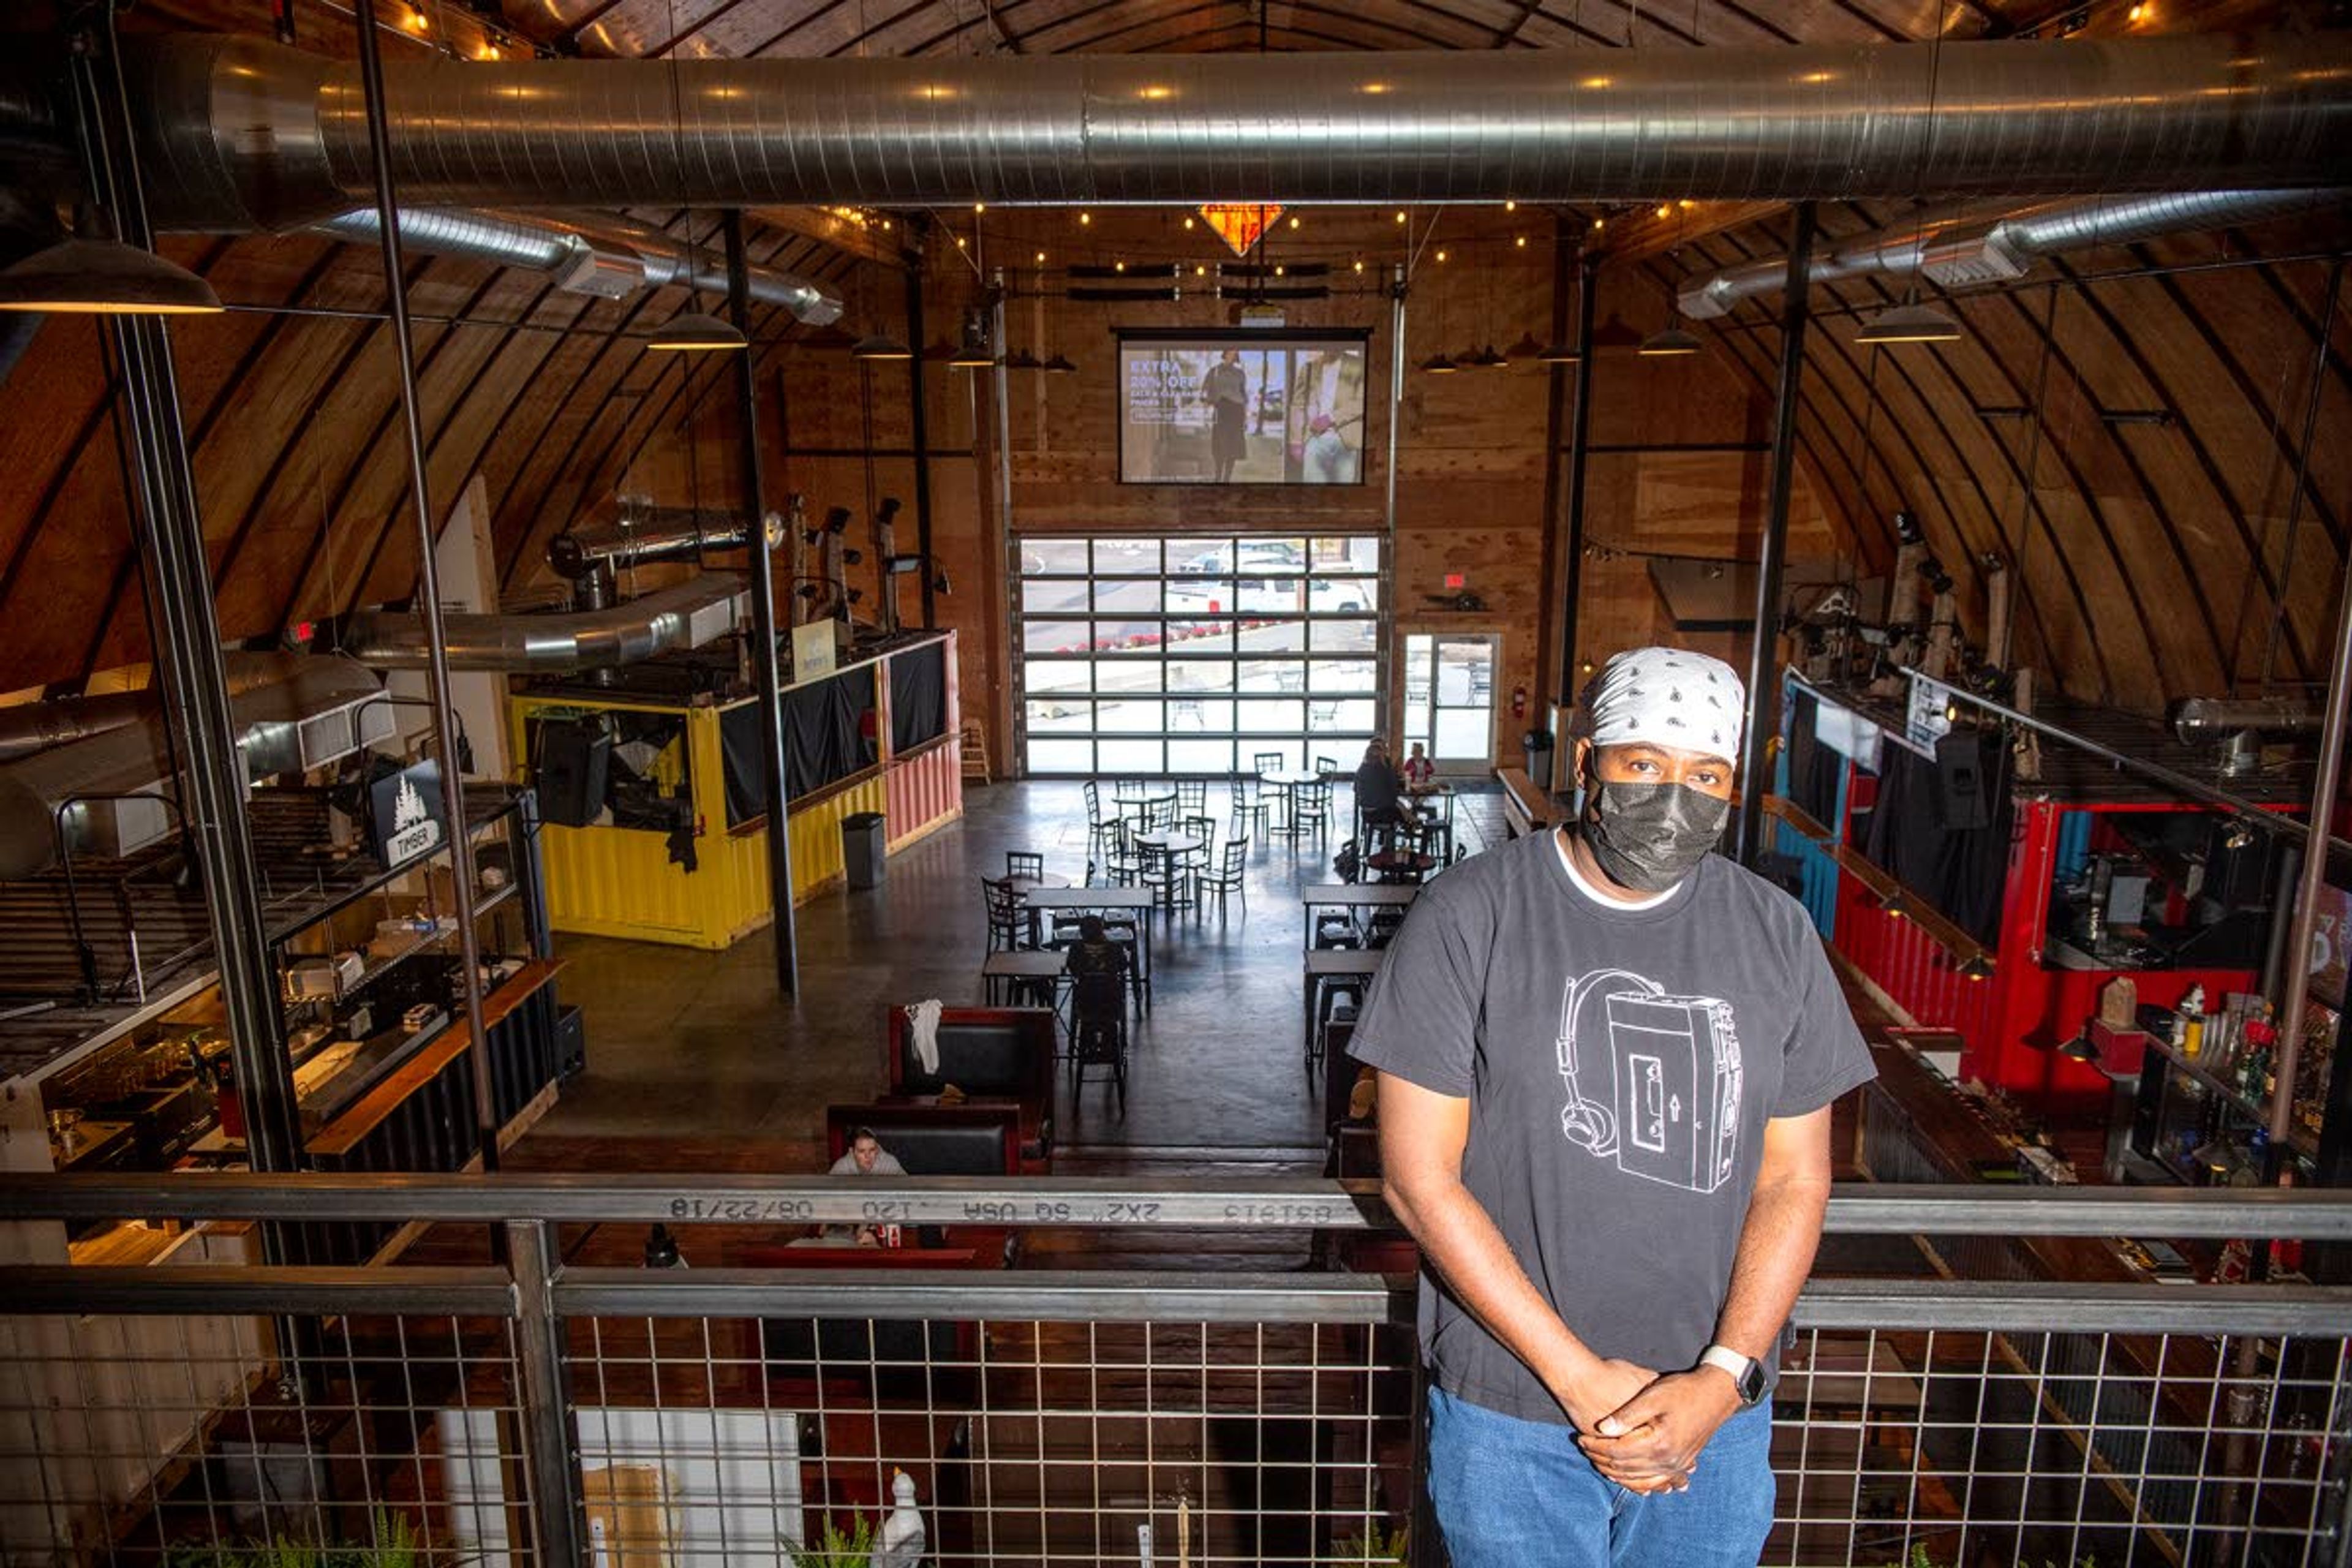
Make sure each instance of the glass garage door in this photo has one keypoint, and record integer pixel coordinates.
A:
(1196, 655)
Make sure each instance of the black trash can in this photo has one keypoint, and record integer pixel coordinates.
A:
(863, 848)
(1538, 749)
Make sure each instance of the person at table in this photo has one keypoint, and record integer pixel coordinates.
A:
(867, 1157)
(1419, 772)
(1379, 788)
(1094, 956)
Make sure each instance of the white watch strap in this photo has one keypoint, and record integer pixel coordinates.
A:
(1729, 1360)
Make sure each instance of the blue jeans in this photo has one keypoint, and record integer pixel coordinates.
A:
(1511, 1493)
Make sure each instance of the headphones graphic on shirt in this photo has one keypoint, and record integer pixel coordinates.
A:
(1590, 1119)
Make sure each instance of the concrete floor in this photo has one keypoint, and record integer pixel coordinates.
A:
(695, 1047)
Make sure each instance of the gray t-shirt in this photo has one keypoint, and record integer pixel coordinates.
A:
(1619, 1062)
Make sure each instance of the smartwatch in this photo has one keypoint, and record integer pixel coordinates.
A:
(1746, 1371)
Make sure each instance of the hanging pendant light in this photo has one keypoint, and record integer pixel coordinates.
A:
(1439, 364)
(1912, 323)
(1527, 348)
(1022, 358)
(971, 354)
(1060, 365)
(1560, 353)
(1490, 358)
(879, 346)
(80, 275)
(696, 332)
(1669, 344)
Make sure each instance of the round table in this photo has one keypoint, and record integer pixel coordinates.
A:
(1031, 884)
(1404, 864)
(1167, 847)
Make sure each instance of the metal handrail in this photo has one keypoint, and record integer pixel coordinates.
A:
(85, 955)
(1239, 1203)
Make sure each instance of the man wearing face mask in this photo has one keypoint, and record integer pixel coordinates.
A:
(1607, 1059)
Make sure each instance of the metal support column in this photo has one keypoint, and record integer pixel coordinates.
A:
(1762, 676)
(918, 423)
(2327, 784)
(428, 594)
(766, 679)
(1555, 423)
(1580, 462)
(543, 1402)
(187, 656)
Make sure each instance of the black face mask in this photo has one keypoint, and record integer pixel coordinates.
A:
(1649, 836)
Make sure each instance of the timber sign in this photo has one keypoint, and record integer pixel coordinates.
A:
(407, 813)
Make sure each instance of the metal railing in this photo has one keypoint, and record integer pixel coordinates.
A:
(525, 1409)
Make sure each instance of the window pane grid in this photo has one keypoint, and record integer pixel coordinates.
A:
(1185, 654)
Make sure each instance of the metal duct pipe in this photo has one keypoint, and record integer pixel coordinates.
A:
(136, 757)
(240, 132)
(33, 727)
(686, 614)
(2202, 719)
(587, 257)
(1955, 250)
(639, 532)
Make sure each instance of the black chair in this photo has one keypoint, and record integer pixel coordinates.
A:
(1192, 797)
(1327, 766)
(1269, 761)
(1229, 875)
(1311, 807)
(1122, 862)
(1249, 804)
(1008, 919)
(1099, 1029)
(1027, 863)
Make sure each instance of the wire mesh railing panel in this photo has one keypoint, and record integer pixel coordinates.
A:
(1945, 1449)
(198, 1442)
(1020, 1442)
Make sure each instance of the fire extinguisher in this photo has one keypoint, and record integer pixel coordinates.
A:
(1518, 702)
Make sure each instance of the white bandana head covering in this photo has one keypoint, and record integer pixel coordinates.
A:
(1666, 697)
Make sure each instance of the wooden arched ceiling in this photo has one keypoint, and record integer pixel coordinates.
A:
(2172, 539)
(2125, 430)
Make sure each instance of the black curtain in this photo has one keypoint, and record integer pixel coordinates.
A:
(825, 741)
(919, 697)
(1960, 870)
(1814, 768)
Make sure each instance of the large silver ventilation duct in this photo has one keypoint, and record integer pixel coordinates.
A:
(30, 727)
(1958, 250)
(687, 614)
(322, 709)
(239, 132)
(612, 259)
(639, 533)
(2201, 718)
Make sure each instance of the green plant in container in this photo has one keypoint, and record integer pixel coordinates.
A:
(1376, 1544)
(838, 1548)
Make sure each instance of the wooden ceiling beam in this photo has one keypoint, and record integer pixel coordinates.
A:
(866, 242)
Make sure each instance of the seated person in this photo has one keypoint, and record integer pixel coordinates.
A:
(1419, 773)
(1094, 954)
(867, 1157)
(1379, 788)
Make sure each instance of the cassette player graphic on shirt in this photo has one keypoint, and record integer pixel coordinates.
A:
(1653, 1080)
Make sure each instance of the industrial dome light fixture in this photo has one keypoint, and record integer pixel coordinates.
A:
(1668, 343)
(1022, 358)
(1488, 358)
(1560, 353)
(696, 332)
(1060, 365)
(1527, 348)
(1912, 323)
(879, 346)
(95, 276)
(1440, 365)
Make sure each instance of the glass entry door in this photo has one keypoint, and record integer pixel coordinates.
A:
(1449, 700)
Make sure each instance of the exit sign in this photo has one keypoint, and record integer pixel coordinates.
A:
(1453, 579)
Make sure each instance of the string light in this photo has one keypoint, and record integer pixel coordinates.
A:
(1294, 223)
(1599, 222)
(1085, 218)
(1441, 255)
(1119, 266)
(1665, 211)
(1400, 216)
(417, 21)
(979, 207)
(1521, 242)
(1041, 258)
(1278, 270)
(1199, 270)
(1510, 206)
(1188, 223)
(1360, 264)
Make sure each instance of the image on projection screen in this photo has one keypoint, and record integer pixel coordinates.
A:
(1241, 409)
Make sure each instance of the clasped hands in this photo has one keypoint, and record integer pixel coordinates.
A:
(1643, 1431)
